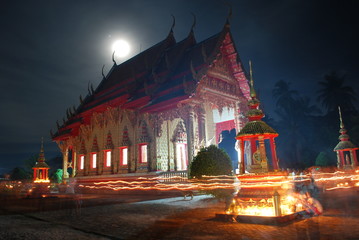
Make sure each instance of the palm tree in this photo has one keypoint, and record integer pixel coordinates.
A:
(283, 94)
(334, 93)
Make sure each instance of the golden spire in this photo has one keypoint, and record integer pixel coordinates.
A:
(252, 91)
(340, 117)
(41, 157)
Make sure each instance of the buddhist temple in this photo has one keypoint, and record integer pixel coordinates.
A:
(155, 111)
(346, 150)
(254, 137)
(41, 169)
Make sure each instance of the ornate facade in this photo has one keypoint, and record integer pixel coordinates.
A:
(154, 111)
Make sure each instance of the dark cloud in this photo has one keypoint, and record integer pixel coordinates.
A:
(51, 50)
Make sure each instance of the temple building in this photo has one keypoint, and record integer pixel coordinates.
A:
(345, 149)
(255, 138)
(41, 169)
(155, 111)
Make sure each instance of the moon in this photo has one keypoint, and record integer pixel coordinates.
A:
(121, 48)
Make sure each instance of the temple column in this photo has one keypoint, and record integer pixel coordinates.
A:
(190, 134)
(274, 154)
(65, 158)
(253, 149)
(34, 177)
(202, 127)
(341, 157)
(242, 165)
(168, 149)
(338, 160)
(354, 158)
(74, 163)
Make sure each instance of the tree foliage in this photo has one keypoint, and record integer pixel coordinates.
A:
(334, 93)
(19, 173)
(57, 176)
(210, 161)
(323, 160)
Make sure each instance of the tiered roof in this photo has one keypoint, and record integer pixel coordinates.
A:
(345, 144)
(255, 127)
(41, 159)
(155, 80)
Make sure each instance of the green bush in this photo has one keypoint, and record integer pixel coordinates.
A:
(210, 161)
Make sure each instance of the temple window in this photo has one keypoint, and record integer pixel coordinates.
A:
(124, 156)
(82, 161)
(94, 160)
(108, 158)
(143, 153)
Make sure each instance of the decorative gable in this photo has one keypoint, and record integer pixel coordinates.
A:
(109, 144)
(94, 147)
(125, 139)
(144, 137)
(82, 149)
(180, 135)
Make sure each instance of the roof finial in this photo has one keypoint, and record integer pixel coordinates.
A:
(173, 23)
(340, 117)
(113, 58)
(252, 91)
(103, 75)
(194, 21)
(229, 16)
(42, 144)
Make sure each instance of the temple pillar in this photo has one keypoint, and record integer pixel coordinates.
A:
(341, 157)
(65, 158)
(253, 149)
(354, 158)
(202, 127)
(338, 160)
(190, 134)
(74, 163)
(34, 177)
(168, 148)
(242, 165)
(274, 154)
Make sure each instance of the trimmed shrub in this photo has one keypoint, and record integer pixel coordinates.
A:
(211, 161)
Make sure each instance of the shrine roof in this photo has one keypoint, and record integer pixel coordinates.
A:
(41, 165)
(345, 146)
(256, 128)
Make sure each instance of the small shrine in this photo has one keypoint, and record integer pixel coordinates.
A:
(254, 136)
(346, 150)
(41, 169)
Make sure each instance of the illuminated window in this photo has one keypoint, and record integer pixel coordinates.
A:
(94, 160)
(124, 155)
(108, 158)
(143, 153)
(82, 161)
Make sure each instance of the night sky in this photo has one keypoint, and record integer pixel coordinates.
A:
(51, 50)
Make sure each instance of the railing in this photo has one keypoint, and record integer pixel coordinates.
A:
(177, 176)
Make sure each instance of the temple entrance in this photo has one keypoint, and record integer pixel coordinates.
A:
(181, 156)
(226, 133)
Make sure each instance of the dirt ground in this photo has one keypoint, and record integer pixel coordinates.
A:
(164, 217)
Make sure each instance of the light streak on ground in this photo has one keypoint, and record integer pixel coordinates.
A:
(329, 181)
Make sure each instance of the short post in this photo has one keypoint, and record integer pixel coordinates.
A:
(276, 204)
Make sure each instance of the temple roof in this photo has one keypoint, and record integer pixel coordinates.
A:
(256, 128)
(41, 165)
(345, 145)
(155, 80)
(41, 159)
